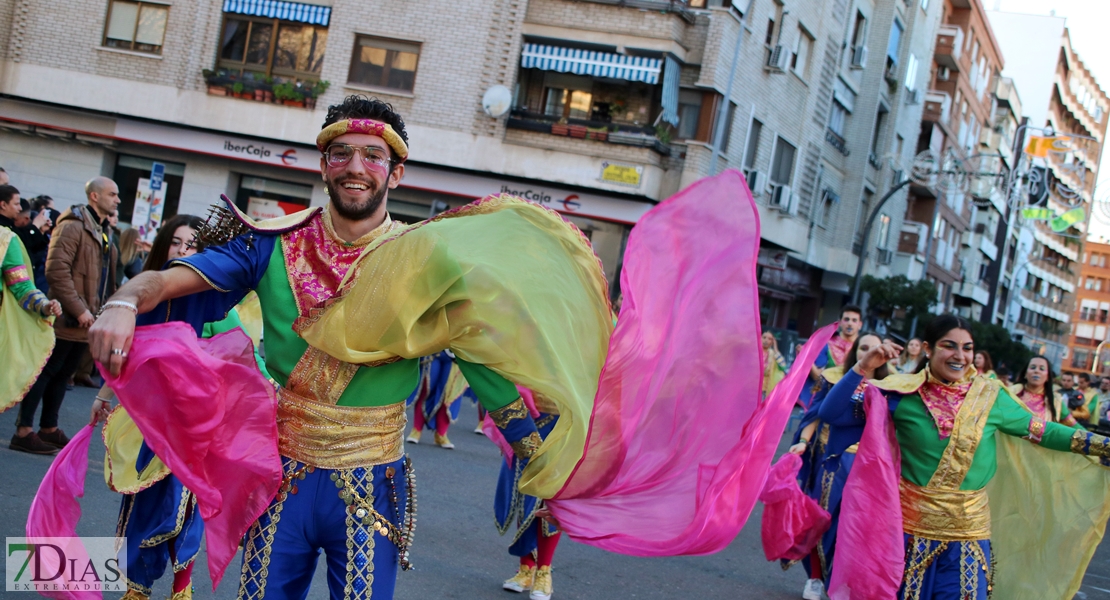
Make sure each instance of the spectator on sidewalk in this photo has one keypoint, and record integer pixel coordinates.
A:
(80, 267)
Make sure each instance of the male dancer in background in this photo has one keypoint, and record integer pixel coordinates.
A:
(851, 319)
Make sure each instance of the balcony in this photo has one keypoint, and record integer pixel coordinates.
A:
(950, 43)
(601, 131)
(938, 106)
(836, 141)
(977, 293)
(678, 7)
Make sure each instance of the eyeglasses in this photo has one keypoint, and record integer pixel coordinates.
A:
(338, 155)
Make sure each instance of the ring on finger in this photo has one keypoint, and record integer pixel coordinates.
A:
(119, 352)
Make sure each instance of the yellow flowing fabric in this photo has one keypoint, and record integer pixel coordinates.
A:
(27, 339)
(501, 282)
(1048, 515)
(122, 441)
(250, 315)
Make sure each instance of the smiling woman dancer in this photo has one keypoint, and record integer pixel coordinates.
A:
(1032, 392)
(945, 417)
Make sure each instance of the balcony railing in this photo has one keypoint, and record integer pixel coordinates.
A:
(613, 133)
(938, 104)
(950, 42)
(836, 141)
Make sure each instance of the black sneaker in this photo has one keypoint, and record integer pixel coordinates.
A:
(32, 444)
(58, 439)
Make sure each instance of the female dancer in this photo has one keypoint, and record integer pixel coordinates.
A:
(945, 417)
(1038, 398)
(436, 399)
(774, 365)
(157, 515)
(911, 357)
(827, 455)
(984, 364)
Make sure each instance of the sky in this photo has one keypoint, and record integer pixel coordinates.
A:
(1086, 23)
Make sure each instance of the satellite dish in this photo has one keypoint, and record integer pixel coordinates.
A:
(496, 101)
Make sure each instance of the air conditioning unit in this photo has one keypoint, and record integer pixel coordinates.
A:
(884, 256)
(914, 96)
(756, 181)
(781, 197)
(943, 73)
(859, 57)
(776, 59)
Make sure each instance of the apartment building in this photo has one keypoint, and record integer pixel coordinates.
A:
(1067, 124)
(1092, 307)
(945, 235)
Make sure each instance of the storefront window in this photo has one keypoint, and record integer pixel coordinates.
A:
(132, 175)
(264, 198)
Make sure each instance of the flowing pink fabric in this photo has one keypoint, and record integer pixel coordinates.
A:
(870, 547)
(55, 510)
(793, 523)
(654, 480)
(494, 434)
(206, 411)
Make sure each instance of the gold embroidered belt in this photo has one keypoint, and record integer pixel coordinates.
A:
(945, 515)
(339, 437)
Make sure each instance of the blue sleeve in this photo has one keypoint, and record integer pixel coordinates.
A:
(838, 408)
(822, 358)
(232, 269)
(812, 413)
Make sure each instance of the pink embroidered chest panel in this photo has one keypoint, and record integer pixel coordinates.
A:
(1037, 404)
(943, 402)
(316, 261)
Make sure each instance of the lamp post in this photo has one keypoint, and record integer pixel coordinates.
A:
(867, 235)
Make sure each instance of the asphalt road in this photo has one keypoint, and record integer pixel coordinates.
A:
(458, 553)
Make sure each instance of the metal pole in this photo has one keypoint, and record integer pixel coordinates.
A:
(722, 115)
(867, 235)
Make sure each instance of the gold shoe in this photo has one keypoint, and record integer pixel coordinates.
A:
(414, 437)
(185, 594)
(541, 587)
(522, 581)
(443, 442)
(133, 594)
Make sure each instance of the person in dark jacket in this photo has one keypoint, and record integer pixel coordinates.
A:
(81, 269)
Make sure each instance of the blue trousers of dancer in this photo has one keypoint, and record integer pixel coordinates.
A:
(961, 571)
(281, 549)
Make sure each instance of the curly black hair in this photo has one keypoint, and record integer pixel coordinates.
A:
(357, 106)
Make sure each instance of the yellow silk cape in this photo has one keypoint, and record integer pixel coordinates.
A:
(501, 282)
(122, 441)
(27, 339)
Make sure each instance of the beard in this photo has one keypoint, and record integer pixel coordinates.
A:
(356, 211)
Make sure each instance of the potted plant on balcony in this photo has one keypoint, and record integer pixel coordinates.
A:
(577, 131)
(287, 94)
(315, 91)
(240, 90)
(215, 86)
(560, 128)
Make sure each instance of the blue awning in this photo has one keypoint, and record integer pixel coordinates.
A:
(670, 92)
(587, 62)
(276, 9)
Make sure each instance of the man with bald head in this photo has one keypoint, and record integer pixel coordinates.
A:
(80, 269)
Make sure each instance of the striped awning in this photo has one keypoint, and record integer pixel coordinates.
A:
(670, 91)
(276, 9)
(587, 62)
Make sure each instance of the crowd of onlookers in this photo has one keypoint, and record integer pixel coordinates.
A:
(79, 257)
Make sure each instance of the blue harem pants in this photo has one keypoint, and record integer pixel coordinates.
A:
(946, 570)
(281, 548)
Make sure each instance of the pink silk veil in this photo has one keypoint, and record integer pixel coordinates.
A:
(55, 510)
(793, 523)
(679, 444)
(870, 547)
(219, 433)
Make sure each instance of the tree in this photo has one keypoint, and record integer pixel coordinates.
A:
(1004, 351)
(899, 298)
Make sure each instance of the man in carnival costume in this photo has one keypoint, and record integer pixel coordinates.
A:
(340, 425)
(25, 332)
(851, 320)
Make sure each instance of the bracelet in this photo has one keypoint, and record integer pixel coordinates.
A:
(104, 400)
(118, 304)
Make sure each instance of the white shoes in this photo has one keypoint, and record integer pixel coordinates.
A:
(414, 437)
(814, 590)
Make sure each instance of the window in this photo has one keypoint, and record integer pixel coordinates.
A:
(884, 231)
(893, 45)
(925, 5)
(770, 37)
(754, 133)
(837, 118)
(911, 73)
(880, 119)
(864, 212)
(728, 126)
(859, 32)
(829, 201)
(256, 48)
(138, 26)
(802, 49)
(572, 104)
(689, 112)
(1079, 359)
(782, 164)
(384, 63)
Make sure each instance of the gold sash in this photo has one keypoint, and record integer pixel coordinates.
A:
(339, 437)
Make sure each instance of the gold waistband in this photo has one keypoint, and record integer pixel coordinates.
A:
(339, 437)
(945, 515)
